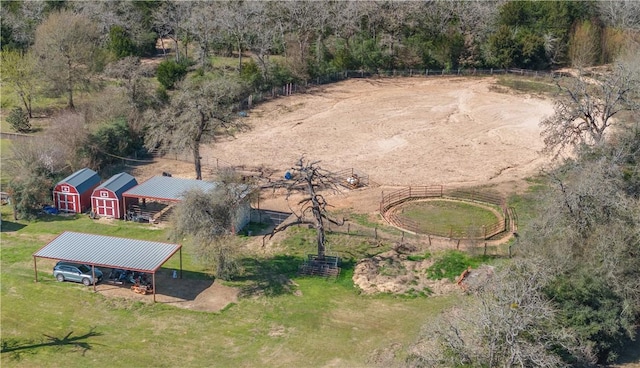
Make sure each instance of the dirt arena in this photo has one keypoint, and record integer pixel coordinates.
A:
(400, 131)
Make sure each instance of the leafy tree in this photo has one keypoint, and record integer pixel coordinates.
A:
(170, 72)
(66, 48)
(18, 70)
(308, 179)
(588, 234)
(110, 142)
(594, 312)
(120, 43)
(200, 110)
(19, 120)
(29, 192)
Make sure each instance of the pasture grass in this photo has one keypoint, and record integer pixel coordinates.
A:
(317, 322)
(542, 86)
(438, 217)
(450, 264)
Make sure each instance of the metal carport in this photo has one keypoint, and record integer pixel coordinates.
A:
(109, 251)
(166, 188)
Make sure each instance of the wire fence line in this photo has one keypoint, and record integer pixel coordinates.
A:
(289, 89)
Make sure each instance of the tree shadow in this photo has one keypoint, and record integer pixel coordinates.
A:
(631, 352)
(185, 288)
(269, 276)
(59, 217)
(8, 226)
(272, 276)
(77, 342)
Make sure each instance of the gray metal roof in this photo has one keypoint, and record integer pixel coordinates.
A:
(108, 251)
(119, 183)
(82, 180)
(167, 188)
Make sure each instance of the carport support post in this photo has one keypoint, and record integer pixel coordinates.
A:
(93, 276)
(180, 262)
(35, 268)
(153, 279)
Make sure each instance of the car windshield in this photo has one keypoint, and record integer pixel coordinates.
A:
(84, 269)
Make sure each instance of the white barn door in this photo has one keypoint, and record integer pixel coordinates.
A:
(67, 202)
(106, 207)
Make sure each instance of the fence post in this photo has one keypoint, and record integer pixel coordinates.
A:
(348, 228)
(491, 71)
(375, 233)
(426, 72)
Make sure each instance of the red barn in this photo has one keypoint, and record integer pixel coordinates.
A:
(106, 200)
(73, 193)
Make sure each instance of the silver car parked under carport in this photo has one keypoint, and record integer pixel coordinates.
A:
(65, 271)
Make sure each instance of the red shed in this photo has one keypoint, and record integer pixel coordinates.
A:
(106, 200)
(73, 193)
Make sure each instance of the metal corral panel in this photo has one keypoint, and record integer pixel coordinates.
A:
(119, 184)
(167, 188)
(82, 180)
(109, 251)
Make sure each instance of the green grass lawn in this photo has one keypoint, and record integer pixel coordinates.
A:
(438, 217)
(528, 85)
(328, 323)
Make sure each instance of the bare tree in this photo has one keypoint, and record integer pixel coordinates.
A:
(206, 219)
(65, 46)
(22, 19)
(200, 111)
(586, 107)
(624, 14)
(203, 26)
(133, 76)
(510, 324)
(308, 179)
(171, 20)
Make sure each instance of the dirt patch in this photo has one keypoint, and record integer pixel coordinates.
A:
(194, 294)
(394, 273)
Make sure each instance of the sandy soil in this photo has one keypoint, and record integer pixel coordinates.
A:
(194, 294)
(400, 131)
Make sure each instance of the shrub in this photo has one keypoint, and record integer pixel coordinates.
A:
(19, 120)
(169, 72)
(112, 140)
(29, 193)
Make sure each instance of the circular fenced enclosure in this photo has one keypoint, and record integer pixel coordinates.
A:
(456, 214)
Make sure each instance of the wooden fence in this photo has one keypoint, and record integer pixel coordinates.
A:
(484, 232)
